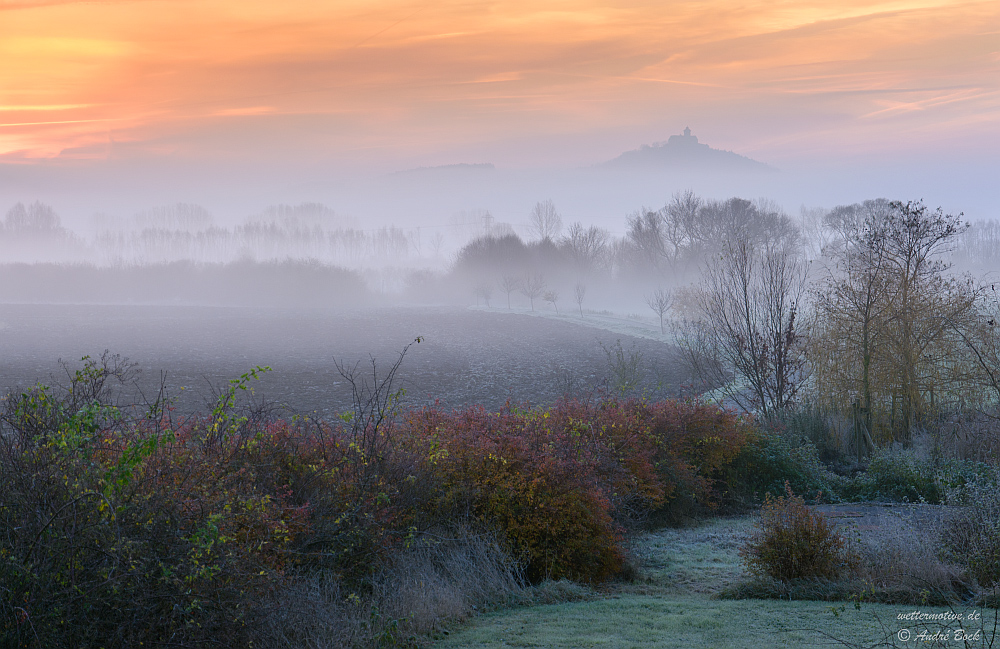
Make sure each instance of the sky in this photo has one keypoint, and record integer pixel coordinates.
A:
(309, 89)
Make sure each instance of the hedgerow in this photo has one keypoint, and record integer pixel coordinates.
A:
(122, 525)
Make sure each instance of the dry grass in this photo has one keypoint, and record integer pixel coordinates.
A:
(902, 560)
(444, 580)
(441, 579)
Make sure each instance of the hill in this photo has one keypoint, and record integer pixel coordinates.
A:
(684, 152)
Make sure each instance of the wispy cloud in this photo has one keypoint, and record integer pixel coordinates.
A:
(41, 107)
(929, 102)
(63, 121)
(249, 110)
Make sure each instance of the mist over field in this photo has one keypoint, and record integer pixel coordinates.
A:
(383, 323)
(597, 238)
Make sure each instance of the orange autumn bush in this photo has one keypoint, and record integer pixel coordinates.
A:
(538, 486)
(563, 484)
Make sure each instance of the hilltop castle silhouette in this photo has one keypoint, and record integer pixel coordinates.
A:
(684, 153)
(682, 140)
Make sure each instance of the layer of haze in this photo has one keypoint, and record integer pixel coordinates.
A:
(116, 106)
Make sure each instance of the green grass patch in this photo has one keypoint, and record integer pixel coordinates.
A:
(675, 603)
(683, 621)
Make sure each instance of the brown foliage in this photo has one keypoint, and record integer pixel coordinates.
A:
(795, 542)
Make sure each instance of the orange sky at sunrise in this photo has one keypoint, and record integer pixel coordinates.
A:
(516, 82)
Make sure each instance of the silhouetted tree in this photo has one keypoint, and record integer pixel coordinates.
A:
(484, 290)
(509, 284)
(36, 218)
(586, 246)
(491, 254)
(660, 302)
(580, 291)
(532, 287)
(645, 235)
(745, 337)
(680, 223)
(544, 221)
(551, 297)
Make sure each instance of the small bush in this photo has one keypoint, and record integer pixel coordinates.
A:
(768, 462)
(898, 476)
(898, 562)
(538, 486)
(794, 542)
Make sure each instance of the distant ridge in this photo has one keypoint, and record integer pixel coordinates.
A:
(460, 168)
(684, 152)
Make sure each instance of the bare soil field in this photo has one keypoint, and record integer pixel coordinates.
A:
(466, 357)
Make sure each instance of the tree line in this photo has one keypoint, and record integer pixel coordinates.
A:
(869, 310)
(880, 328)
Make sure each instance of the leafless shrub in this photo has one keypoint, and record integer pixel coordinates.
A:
(624, 367)
(552, 297)
(484, 290)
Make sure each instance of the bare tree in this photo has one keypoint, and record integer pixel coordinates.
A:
(624, 367)
(587, 246)
(544, 220)
(660, 302)
(979, 334)
(415, 240)
(680, 223)
(551, 297)
(509, 284)
(745, 338)
(37, 217)
(645, 234)
(532, 287)
(580, 291)
(437, 242)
